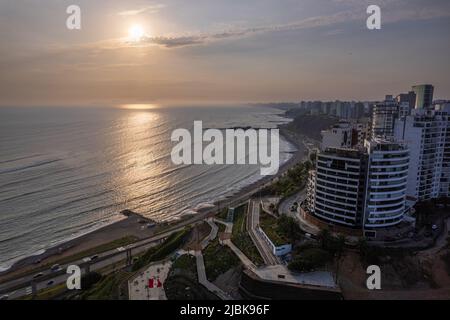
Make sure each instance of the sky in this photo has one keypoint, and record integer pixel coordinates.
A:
(219, 51)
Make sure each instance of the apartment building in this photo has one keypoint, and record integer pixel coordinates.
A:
(360, 188)
(427, 134)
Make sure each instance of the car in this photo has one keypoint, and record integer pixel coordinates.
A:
(55, 268)
(95, 257)
(280, 276)
(50, 283)
(434, 227)
(5, 297)
(40, 274)
(37, 261)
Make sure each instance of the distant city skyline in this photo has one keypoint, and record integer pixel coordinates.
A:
(181, 52)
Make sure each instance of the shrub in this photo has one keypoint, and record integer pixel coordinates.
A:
(88, 280)
(309, 260)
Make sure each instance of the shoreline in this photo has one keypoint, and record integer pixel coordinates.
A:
(135, 224)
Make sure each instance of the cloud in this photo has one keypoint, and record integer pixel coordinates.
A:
(154, 8)
(172, 42)
(397, 13)
(197, 39)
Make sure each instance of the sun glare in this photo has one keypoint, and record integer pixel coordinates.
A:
(136, 33)
(138, 106)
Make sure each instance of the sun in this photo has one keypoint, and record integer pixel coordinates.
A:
(136, 33)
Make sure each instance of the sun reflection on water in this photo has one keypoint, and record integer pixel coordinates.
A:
(140, 153)
(139, 106)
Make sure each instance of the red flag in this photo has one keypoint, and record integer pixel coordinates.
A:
(151, 283)
(159, 284)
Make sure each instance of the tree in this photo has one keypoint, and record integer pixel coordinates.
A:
(309, 260)
(324, 237)
(362, 246)
(89, 279)
(340, 245)
(289, 227)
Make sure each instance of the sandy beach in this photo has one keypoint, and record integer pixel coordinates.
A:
(136, 225)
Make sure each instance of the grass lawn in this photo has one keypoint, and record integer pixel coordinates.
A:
(48, 294)
(218, 260)
(270, 226)
(182, 283)
(108, 288)
(187, 263)
(221, 227)
(241, 238)
(171, 244)
(223, 214)
(291, 182)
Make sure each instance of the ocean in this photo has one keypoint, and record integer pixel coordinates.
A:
(65, 172)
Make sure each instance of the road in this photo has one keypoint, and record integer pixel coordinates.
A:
(286, 205)
(252, 223)
(285, 208)
(20, 286)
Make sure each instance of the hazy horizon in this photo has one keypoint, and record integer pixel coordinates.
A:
(219, 52)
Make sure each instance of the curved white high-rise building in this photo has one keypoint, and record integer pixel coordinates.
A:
(339, 186)
(386, 183)
(360, 188)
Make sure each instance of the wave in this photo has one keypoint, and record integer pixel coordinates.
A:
(83, 172)
(29, 166)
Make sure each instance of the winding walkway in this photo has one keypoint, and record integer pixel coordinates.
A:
(201, 270)
(252, 223)
(203, 279)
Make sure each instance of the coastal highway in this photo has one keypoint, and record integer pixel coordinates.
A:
(19, 287)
